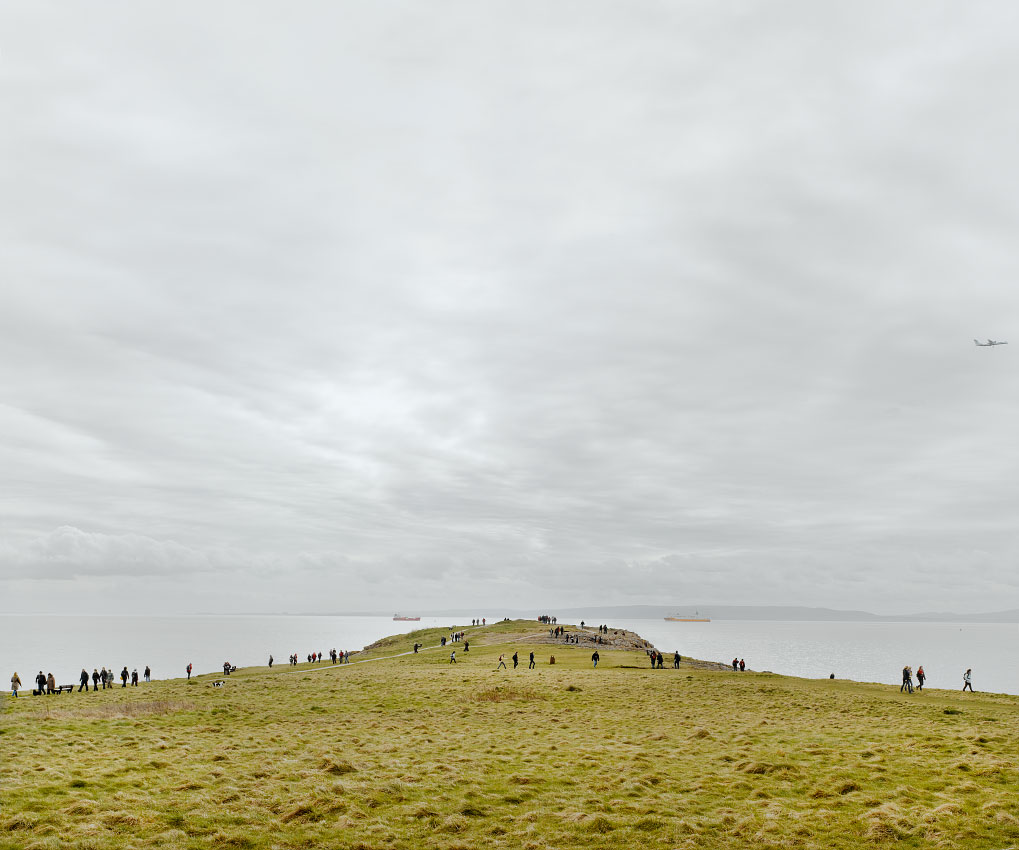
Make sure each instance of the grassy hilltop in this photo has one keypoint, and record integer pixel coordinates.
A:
(411, 751)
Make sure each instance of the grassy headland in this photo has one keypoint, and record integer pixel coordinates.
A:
(410, 751)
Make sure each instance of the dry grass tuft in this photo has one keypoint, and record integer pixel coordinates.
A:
(336, 767)
(508, 694)
(108, 711)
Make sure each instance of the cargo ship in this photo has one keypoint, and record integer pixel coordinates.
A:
(693, 619)
(401, 617)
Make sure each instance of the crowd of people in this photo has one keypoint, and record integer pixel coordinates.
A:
(106, 678)
(46, 683)
(921, 677)
(337, 656)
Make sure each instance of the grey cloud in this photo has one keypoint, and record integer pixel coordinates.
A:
(511, 302)
(70, 553)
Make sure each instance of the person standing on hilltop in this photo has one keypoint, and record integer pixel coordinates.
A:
(123, 677)
(51, 684)
(189, 671)
(15, 684)
(95, 679)
(920, 677)
(967, 680)
(675, 660)
(270, 662)
(40, 683)
(83, 680)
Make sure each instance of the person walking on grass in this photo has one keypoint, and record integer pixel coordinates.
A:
(595, 657)
(15, 684)
(967, 679)
(95, 679)
(502, 663)
(516, 660)
(189, 671)
(123, 677)
(270, 662)
(134, 678)
(530, 664)
(51, 684)
(83, 680)
(675, 660)
(907, 680)
(920, 677)
(452, 657)
(40, 683)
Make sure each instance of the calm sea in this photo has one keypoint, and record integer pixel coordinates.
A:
(868, 652)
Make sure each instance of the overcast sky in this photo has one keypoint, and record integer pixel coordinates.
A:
(396, 306)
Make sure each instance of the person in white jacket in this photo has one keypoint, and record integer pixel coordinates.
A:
(967, 679)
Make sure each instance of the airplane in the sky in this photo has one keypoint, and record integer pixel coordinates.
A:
(989, 342)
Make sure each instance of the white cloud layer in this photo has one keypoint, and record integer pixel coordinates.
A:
(392, 306)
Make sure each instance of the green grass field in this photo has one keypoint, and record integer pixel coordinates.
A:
(411, 752)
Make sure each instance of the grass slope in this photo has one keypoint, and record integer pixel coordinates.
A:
(411, 751)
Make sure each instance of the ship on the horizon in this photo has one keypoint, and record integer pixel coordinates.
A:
(696, 618)
(401, 617)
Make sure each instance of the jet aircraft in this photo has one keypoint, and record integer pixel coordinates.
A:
(988, 343)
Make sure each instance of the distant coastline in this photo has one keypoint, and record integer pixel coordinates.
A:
(590, 613)
(785, 613)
